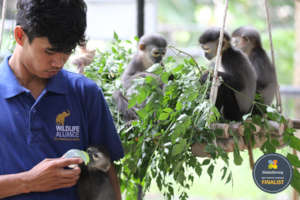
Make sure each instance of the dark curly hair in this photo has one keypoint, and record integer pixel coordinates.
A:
(63, 22)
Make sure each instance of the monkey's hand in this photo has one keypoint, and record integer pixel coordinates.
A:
(50, 174)
(204, 77)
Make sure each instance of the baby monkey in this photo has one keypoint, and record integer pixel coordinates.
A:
(94, 183)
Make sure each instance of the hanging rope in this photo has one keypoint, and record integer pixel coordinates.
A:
(215, 82)
(3, 20)
(278, 97)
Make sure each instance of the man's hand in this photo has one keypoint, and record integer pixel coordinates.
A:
(50, 175)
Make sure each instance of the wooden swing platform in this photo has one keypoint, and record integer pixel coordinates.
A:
(226, 141)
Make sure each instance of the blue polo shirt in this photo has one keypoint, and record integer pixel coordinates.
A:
(71, 112)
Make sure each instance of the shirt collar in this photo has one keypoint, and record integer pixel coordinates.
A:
(58, 83)
(10, 86)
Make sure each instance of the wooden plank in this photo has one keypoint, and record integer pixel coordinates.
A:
(226, 139)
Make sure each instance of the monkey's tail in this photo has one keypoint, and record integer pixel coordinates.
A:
(122, 105)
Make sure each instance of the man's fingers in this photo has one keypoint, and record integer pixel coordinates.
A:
(65, 185)
(68, 173)
(64, 162)
(62, 183)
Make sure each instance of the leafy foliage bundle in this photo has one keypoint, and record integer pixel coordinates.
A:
(158, 145)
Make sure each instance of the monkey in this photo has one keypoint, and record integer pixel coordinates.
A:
(121, 101)
(151, 50)
(84, 58)
(237, 73)
(237, 91)
(248, 40)
(94, 183)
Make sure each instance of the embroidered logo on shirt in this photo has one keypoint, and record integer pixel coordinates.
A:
(60, 118)
(66, 132)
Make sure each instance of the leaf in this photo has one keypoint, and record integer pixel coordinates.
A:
(150, 79)
(295, 183)
(294, 160)
(136, 38)
(275, 142)
(237, 157)
(114, 50)
(178, 68)
(163, 116)
(165, 77)
(178, 106)
(179, 148)
(132, 102)
(158, 182)
(245, 117)
(192, 62)
(116, 37)
(210, 171)
(198, 171)
(268, 147)
(168, 110)
(141, 97)
(182, 117)
(224, 169)
(295, 143)
(229, 178)
(206, 162)
(142, 113)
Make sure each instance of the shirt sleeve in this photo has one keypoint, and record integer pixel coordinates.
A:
(101, 127)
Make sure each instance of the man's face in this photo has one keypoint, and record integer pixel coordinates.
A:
(40, 60)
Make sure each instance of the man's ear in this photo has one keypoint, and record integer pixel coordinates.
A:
(19, 35)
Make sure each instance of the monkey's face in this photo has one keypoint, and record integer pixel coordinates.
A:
(155, 53)
(210, 49)
(235, 41)
(242, 43)
(98, 160)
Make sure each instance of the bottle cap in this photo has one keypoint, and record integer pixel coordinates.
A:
(76, 153)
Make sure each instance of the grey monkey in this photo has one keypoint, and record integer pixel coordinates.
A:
(248, 40)
(151, 50)
(94, 183)
(237, 73)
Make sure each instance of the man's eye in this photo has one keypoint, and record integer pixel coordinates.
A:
(49, 52)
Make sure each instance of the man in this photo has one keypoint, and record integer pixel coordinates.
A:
(45, 110)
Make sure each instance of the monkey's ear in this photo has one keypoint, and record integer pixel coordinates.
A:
(142, 47)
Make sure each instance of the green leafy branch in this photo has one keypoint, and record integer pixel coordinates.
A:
(171, 119)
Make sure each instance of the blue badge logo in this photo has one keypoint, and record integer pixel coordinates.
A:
(272, 173)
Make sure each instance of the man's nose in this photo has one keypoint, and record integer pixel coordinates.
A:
(59, 60)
